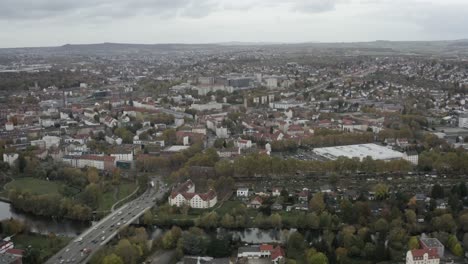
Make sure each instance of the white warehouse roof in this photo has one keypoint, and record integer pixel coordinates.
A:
(360, 151)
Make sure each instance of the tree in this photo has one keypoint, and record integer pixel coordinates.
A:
(275, 220)
(413, 243)
(148, 218)
(318, 258)
(116, 175)
(219, 248)
(295, 245)
(22, 163)
(381, 225)
(127, 252)
(463, 220)
(112, 259)
(169, 136)
(93, 175)
(208, 220)
(92, 195)
(381, 191)
(171, 237)
(437, 192)
(317, 203)
(444, 222)
(228, 221)
(194, 242)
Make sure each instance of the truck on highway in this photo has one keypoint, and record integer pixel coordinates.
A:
(151, 184)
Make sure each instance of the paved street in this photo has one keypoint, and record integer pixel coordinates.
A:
(99, 234)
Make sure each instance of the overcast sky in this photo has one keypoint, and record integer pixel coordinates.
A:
(27, 23)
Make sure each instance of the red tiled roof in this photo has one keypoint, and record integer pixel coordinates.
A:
(257, 199)
(99, 158)
(266, 247)
(14, 251)
(207, 196)
(419, 253)
(278, 252)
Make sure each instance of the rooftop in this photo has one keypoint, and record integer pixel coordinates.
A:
(360, 151)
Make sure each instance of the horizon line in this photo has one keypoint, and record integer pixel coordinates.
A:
(233, 43)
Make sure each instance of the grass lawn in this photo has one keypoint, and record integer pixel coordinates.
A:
(126, 188)
(41, 243)
(227, 207)
(35, 186)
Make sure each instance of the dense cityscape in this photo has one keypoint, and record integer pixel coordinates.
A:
(235, 153)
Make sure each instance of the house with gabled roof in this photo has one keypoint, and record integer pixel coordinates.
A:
(184, 194)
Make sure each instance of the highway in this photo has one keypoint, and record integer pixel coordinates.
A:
(87, 243)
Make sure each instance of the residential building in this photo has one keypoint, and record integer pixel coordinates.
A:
(51, 141)
(256, 202)
(422, 256)
(95, 161)
(184, 194)
(242, 192)
(243, 143)
(274, 254)
(10, 158)
(432, 243)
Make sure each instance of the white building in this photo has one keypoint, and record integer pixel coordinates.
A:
(222, 132)
(286, 104)
(463, 121)
(243, 144)
(422, 256)
(412, 157)
(122, 155)
(9, 126)
(10, 158)
(360, 151)
(206, 107)
(98, 162)
(242, 192)
(272, 83)
(51, 141)
(184, 194)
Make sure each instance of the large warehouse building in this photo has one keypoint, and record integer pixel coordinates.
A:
(361, 151)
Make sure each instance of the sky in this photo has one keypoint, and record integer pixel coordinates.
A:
(32, 23)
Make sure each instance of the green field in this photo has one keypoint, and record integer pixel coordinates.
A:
(108, 199)
(35, 186)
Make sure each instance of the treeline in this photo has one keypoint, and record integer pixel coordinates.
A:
(158, 164)
(49, 205)
(61, 79)
(132, 248)
(444, 162)
(323, 140)
(195, 242)
(259, 164)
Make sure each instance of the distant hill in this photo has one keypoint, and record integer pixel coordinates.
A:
(380, 47)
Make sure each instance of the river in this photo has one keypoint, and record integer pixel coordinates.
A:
(43, 225)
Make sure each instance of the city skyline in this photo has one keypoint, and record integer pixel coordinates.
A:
(55, 23)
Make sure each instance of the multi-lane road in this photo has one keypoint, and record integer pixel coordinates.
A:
(87, 243)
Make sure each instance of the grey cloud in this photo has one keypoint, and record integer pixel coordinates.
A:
(26, 9)
(39, 9)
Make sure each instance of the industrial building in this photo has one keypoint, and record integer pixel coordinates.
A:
(361, 151)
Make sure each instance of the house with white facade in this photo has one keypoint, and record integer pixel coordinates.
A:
(185, 194)
(10, 158)
(422, 256)
(243, 143)
(242, 192)
(51, 141)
